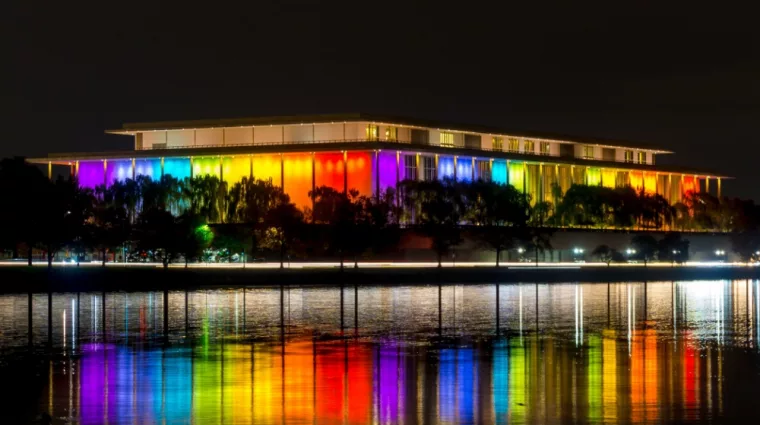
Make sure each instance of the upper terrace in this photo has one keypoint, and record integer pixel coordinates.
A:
(359, 128)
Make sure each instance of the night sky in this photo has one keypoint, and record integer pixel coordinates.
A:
(678, 77)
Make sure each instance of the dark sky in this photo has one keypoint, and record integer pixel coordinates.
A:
(681, 77)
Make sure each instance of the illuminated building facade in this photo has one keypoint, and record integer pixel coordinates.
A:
(371, 154)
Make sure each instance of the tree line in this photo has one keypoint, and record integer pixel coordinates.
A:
(168, 218)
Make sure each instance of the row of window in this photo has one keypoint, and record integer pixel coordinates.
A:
(373, 133)
(641, 157)
(529, 146)
(497, 144)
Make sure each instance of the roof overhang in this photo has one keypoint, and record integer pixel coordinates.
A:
(71, 158)
(134, 128)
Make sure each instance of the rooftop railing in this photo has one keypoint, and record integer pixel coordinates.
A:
(163, 146)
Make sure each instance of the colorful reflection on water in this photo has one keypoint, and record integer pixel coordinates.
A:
(589, 353)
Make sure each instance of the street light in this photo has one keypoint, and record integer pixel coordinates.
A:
(630, 251)
(720, 252)
(520, 250)
(578, 250)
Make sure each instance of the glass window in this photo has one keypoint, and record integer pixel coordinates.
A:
(628, 156)
(497, 143)
(588, 152)
(391, 133)
(529, 146)
(447, 139)
(545, 148)
(642, 157)
(428, 168)
(483, 169)
(410, 167)
(514, 145)
(372, 132)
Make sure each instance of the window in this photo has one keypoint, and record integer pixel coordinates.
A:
(628, 156)
(391, 133)
(372, 132)
(514, 145)
(545, 148)
(410, 167)
(483, 168)
(642, 157)
(497, 144)
(588, 152)
(428, 168)
(529, 146)
(447, 139)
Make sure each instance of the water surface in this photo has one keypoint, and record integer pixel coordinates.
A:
(512, 353)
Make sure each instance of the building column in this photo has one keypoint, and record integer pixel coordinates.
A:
(162, 166)
(525, 177)
(541, 191)
(134, 168)
(417, 159)
(250, 168)
(398, 154)
(313, 182)
(282, 173)
(192, 168)
(436, 167)
(50, 170)
(455, 167)
(105, 172)
(506, 172)
(472, 170)
(707, 184)
(719, 184)
(76, 169)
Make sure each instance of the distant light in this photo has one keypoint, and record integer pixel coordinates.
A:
(520, 250)
(578, 250)
(720, 252)
(675, 252)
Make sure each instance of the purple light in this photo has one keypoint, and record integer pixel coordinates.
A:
(387, 169)
(90, 174)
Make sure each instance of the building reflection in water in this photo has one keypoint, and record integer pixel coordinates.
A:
(632, 353)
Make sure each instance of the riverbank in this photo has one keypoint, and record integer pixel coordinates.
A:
(20, 279)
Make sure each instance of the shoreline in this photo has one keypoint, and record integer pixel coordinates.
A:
(22, 279)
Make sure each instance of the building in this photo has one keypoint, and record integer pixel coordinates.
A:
(372, 153)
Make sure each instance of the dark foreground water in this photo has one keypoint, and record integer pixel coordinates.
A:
(517, 353)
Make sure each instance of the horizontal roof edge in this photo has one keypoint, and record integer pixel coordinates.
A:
(128, 128)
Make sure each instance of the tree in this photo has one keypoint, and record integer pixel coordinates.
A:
(646, 246)
(27, 190)
(229, 240)
(537, 240)
(195, 235)
(158, 233)
(283, 223)
(606, 254)
(249, 202)
(746, 244)
(437, 209)
(109, 226)
(205, 195)
(340, 212)
(672, 247)
(500, 214)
